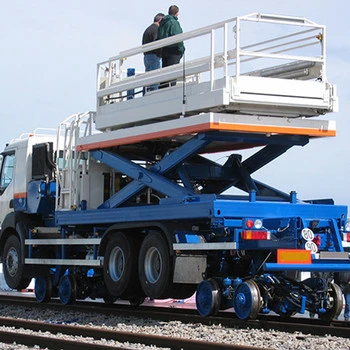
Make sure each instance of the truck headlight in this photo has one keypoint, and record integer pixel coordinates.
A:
(347, 226)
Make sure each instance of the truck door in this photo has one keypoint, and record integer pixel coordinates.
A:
(6, 184)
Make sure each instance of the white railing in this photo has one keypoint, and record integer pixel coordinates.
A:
(69, 163)
(256, 42)
(39, 132)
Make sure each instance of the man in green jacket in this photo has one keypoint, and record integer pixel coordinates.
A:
(170, 26)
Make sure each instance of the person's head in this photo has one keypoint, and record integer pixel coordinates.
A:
(158, 17)
(173, 10)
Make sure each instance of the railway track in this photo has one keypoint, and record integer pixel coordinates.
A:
(90, 337)
(188, 315)
(94, 335)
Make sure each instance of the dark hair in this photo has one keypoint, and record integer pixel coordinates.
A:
(173, 10)
(158, 17)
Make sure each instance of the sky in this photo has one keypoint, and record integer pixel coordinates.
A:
(50, 50)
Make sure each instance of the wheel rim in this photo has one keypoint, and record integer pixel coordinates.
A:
(153, 265)
(246, 300)
(208, 297)
(116, 264)
(12, 262)
(335, 296)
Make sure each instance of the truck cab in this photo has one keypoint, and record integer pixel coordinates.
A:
(25, 161)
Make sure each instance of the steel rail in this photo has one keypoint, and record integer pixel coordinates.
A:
(52, 343)
(173, 343)
(226, 319)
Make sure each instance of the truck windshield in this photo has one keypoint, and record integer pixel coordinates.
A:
(7, 163)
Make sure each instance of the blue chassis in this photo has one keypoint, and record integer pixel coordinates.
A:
(226, 211)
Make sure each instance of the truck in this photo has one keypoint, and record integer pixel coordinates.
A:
(128, 202)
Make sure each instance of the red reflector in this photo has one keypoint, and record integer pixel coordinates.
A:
(251, 235)
(293, 256)
(317, 241)
(347, 237)
(249, 223)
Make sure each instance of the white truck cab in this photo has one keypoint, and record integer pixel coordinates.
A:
(19, 168)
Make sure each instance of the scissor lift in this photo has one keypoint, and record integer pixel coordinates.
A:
(217, 97)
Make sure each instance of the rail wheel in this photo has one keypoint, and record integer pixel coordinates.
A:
(247, 300)
(120, 266)
(155, 266)
(13, 266)
(67, 289)
(335, 297)
(43, 289)
(208, 297)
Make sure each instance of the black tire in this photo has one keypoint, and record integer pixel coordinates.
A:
(155, 268)
(109, 299)
(183, 291)
(120, 265)
(13, 267)
(136, 301)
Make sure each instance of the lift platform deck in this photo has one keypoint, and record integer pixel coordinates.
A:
(275, 85)
(182, 129)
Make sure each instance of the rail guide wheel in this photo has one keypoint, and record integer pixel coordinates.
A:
(335, 296)
(67, 289)
(247, 300)
(208, 297)
(43, 289)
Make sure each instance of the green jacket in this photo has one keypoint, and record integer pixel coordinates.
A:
(170, 26)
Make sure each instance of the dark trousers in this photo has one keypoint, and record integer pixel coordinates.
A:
(168, 59)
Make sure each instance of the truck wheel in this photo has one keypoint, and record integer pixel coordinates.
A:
(13, 266)
(120, 265)
(136, 301)
(155, 266)
(183, 291)
(109, 299)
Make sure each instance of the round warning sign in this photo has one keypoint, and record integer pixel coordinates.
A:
(307, 234)
(311, 246)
